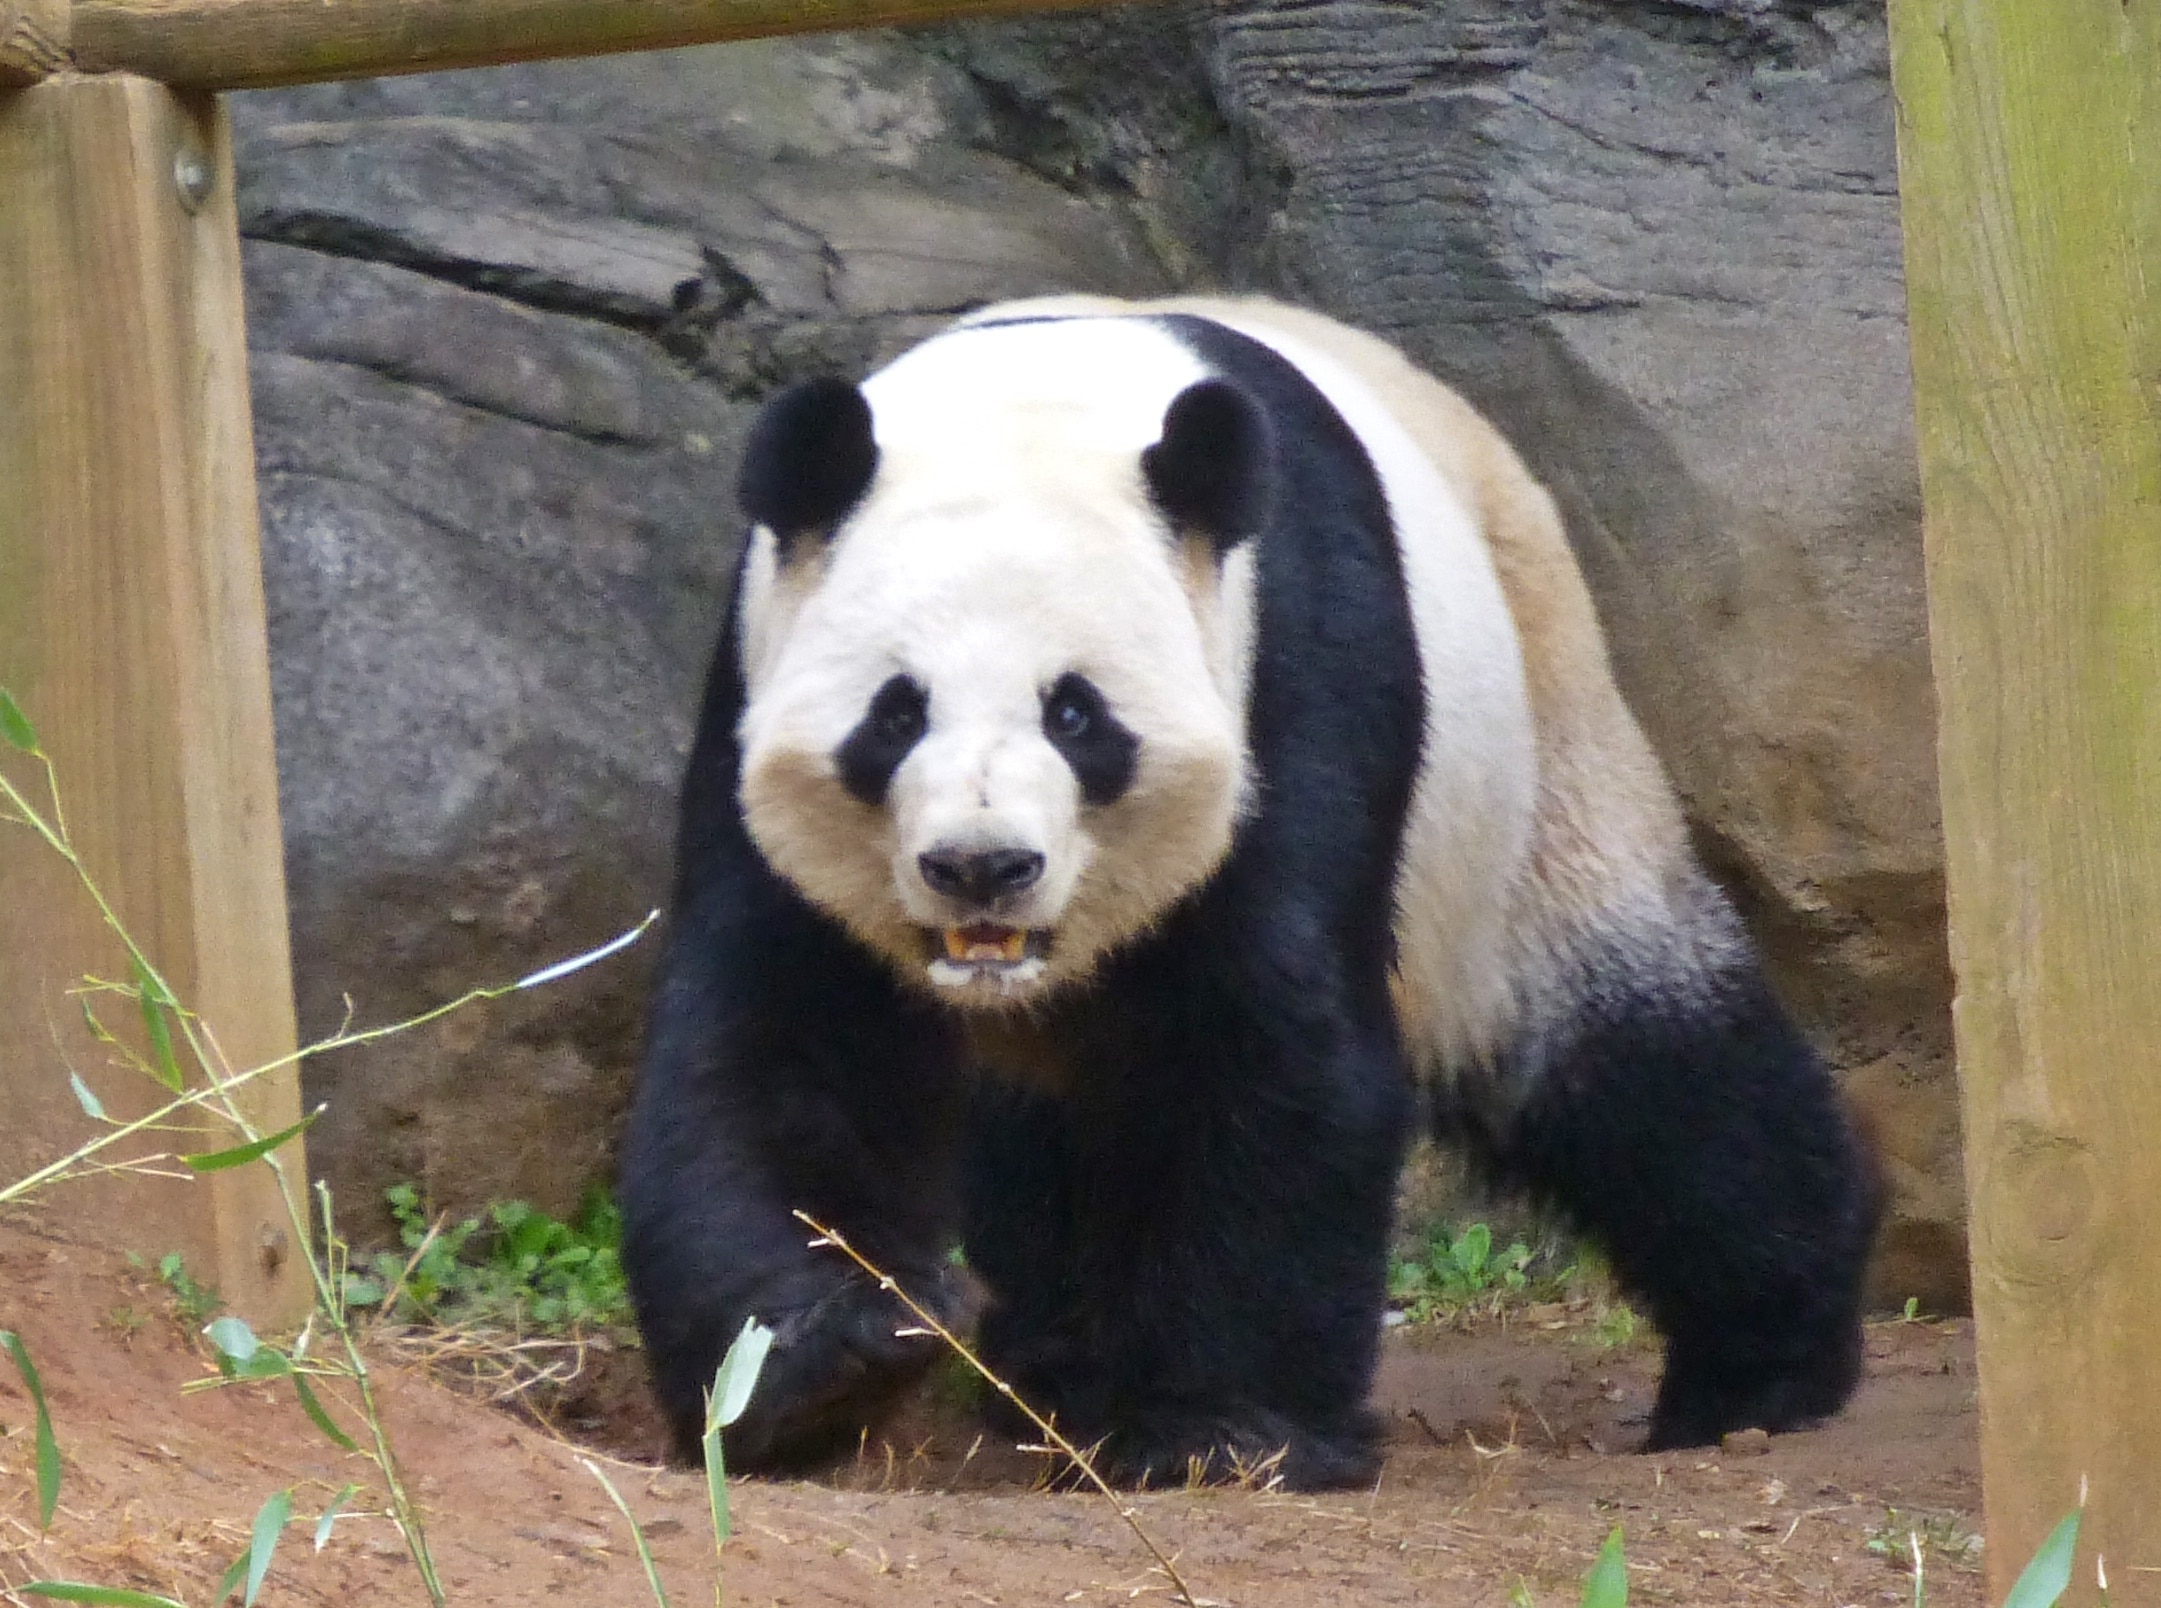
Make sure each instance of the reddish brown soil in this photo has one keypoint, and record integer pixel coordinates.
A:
(1504, 1474)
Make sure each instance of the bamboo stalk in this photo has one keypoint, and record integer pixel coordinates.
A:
(254, 44)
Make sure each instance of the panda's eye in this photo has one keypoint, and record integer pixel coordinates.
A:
(898, 715)
(1092, 739)
(901, 718)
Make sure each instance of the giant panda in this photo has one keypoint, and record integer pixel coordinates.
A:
(1159, 754)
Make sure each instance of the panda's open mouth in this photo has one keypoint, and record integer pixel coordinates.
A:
(986, 951)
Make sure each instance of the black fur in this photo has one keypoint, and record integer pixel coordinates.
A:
(1702, 1143)
(784, 1068)
(1102, 752)
(898, 715)
(1185, 1255)
(1210, 473)
(809, 459)
(1217, 1272)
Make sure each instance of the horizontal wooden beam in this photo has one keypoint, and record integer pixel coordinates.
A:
(33, 40)
(255, 44)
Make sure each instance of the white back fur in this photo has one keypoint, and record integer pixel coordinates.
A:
(1604, 879)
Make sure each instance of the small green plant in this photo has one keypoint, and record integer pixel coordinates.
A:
(1606, 1586)
(1462, 1275)
(1943, 1535)
(1617, 1325)
(193, 1304)
(517, 1268)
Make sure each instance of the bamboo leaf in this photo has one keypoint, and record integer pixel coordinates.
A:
(331, 1514)
(98, 1030)
(233, 1338)
(312, 1405)
(637, 1533)
(577, 963)
(163, 1066)
(203, 1161)
(2048, 1576)
(88, 1101)
(738, 1373)
(733, 1382)
(48, 1449)
(1606, 1586)
(16, 728)
(269, 1525)
(229, 1582)
(75, 1591)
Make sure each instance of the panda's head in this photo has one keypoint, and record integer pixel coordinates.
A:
(996, 623)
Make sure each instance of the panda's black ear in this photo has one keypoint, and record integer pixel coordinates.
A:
(810, 457)
(1211, 473)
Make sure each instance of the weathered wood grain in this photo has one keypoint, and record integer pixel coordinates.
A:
(131, 630)
(2030, 150)
(33, 39)
(251, 44)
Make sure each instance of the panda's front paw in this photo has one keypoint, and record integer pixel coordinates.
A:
(1711, 1390)
(837, 1365)
(1252, 1446)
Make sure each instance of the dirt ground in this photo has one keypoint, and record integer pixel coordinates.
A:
(1507, 1467)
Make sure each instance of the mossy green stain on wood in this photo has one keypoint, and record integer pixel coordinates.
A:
(2030, 172)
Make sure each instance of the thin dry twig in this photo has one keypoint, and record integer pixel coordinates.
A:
(960, 1348)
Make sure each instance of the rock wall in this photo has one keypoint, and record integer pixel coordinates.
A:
(510, 325)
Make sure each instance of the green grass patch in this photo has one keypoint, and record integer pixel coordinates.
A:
(514, 1266)
(1460, 1273)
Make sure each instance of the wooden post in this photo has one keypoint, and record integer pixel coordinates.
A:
(132, 631)
(2030, 165)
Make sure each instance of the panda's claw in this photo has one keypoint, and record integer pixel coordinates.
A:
(837, 1365)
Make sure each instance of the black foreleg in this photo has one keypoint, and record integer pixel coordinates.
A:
(1186, 1263)
(785, 1071)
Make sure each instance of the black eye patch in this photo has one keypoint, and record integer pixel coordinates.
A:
(898, 715)
(1101, 750)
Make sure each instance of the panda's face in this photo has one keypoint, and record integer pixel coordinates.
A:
(995, 721)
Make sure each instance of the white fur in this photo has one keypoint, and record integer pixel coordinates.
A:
(1469, 830)
(1007, 539)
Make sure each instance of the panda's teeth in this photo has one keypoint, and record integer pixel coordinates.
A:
(986, 943)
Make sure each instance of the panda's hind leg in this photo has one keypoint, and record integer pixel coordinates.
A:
(1698, 1139)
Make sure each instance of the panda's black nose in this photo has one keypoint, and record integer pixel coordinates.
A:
(981, 876)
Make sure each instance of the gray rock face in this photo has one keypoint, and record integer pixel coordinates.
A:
(509, 327)
(507, 330)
